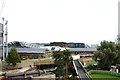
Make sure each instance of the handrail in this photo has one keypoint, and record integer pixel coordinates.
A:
(88, 75)
(75, 67)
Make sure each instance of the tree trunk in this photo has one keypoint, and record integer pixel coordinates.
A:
(66, 70)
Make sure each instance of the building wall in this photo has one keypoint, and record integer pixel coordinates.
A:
(25, 56)
(85, 56)
(83, 53)
(86, 59)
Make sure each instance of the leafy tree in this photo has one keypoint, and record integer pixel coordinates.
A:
(62, 58)
(13, 57)
(59, 62)
(117, 59)
(106, 54)
(67, 59)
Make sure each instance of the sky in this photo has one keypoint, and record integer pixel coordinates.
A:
(44, 21)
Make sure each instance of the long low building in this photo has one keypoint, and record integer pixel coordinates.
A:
(83, 52)
(30, 53)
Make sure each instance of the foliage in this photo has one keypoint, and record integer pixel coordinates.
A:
(90, 67)
(107, 54)
(13, 57)
(62, 58)
(117, 59)
(91, 63)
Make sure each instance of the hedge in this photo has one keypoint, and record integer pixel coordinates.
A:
(104, 72)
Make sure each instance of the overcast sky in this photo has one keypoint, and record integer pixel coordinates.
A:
(88, 21)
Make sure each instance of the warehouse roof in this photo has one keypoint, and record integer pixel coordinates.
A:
(29, 50)
(82, 49)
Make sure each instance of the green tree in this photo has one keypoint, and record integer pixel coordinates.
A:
(62, 58)
(117, 58)
(67, 58)
(13, 57)
(58, 56)
(106, 54)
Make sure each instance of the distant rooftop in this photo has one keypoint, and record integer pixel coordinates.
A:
(40, 44)
(18, 44)
(29, 50)
(82, 49)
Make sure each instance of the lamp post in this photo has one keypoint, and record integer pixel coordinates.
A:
(4, 45)
(6, 42)
(3, 56)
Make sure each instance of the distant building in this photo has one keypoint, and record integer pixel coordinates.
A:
(23, 44)
(118, 39)
(76, 45)
(27, 51)
(41, 44)
(83, 51)
(94, 46)
(85, 54)
(30, 53)
(61, 44)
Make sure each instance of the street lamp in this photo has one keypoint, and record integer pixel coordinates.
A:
(4, 45)
(6, 42)
(3, 56)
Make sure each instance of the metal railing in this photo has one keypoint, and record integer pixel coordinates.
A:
(90, 78)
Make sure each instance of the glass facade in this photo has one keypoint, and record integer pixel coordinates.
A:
(76, 45)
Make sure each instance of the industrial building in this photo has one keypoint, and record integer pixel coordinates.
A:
(27, 51)
(85, 54)
(76, 45)
(83, 51)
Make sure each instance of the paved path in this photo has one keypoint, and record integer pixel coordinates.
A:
(81, 72)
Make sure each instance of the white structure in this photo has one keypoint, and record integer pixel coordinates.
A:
(76, 57)
(119, 22)
(1, 41)
(54, 48)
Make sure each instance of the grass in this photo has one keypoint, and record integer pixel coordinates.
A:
(31, 60)
(35, 60)
(91, 63)
(104, 77)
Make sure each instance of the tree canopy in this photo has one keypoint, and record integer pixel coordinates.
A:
(62, 58)
(13, 57)
(108, 53)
